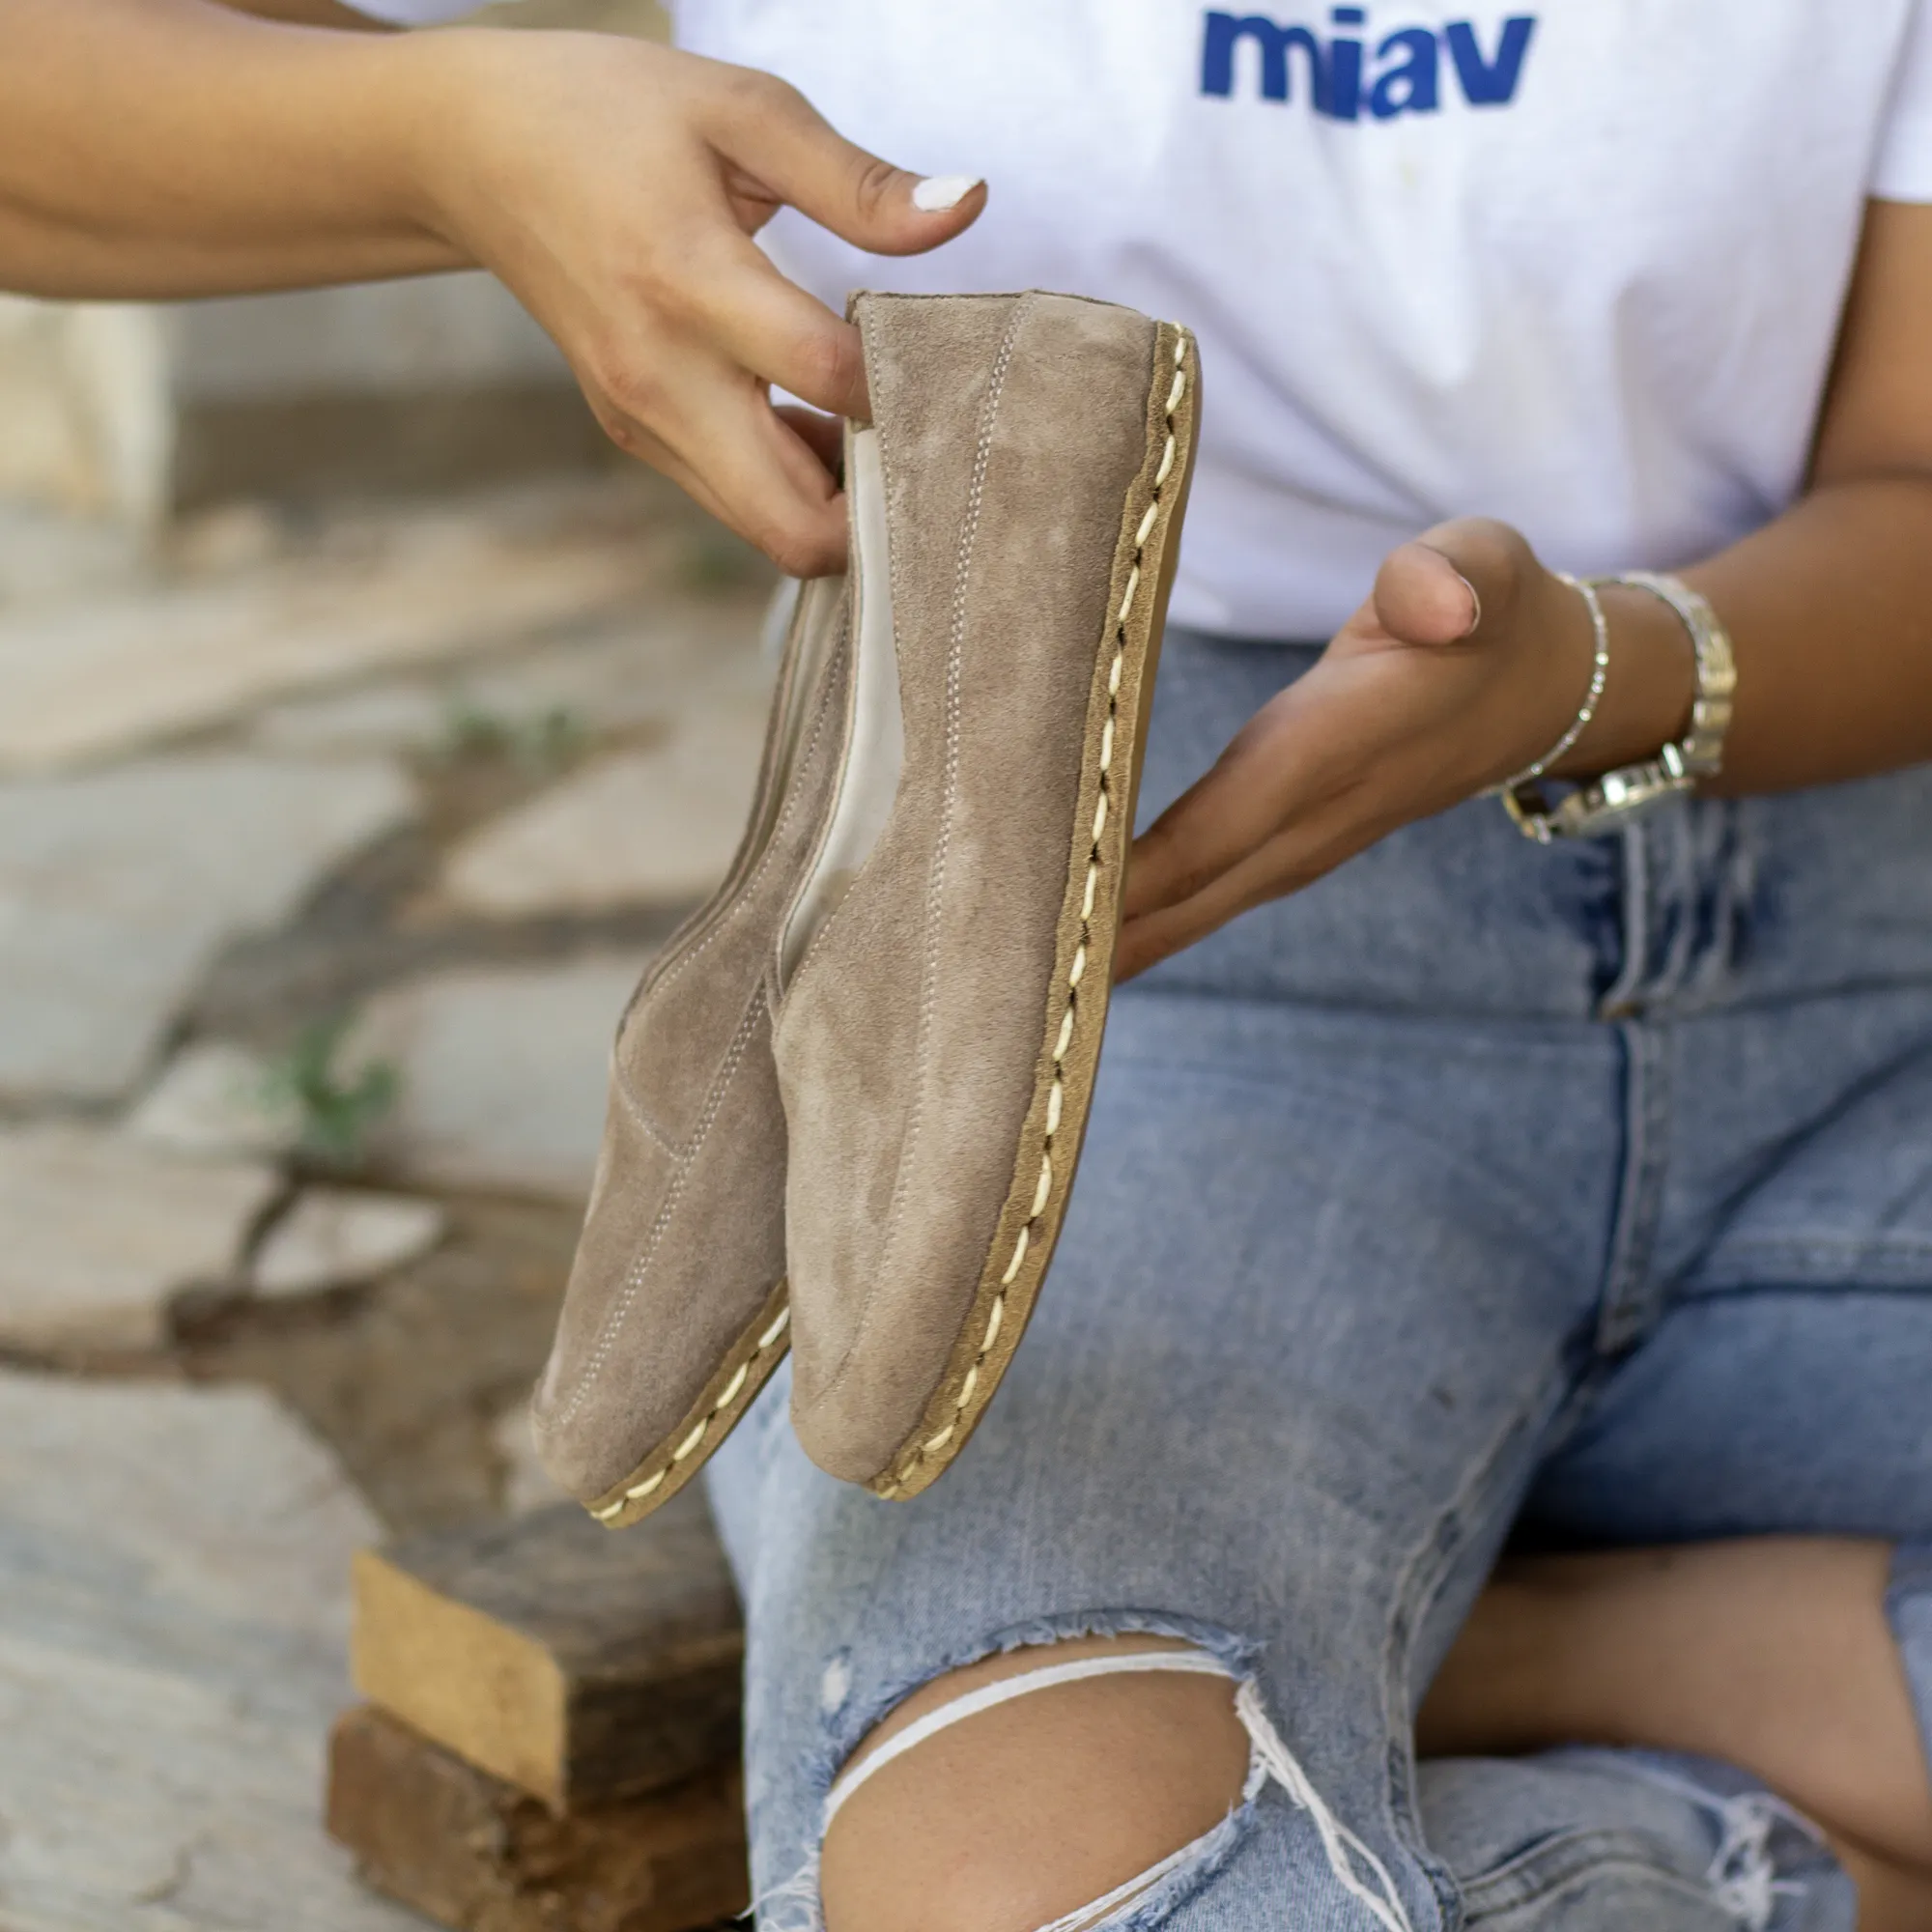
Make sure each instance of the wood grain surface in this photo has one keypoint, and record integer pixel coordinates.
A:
(477, 1854)
(575, 1664)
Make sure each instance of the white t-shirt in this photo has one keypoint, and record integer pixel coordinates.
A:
(1576, 264)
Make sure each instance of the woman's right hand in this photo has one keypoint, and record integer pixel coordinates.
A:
(615, 187)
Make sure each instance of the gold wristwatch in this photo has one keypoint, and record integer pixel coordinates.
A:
(1609, 803)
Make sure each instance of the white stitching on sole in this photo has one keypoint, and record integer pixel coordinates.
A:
(688, 1448)
(1056, 1096)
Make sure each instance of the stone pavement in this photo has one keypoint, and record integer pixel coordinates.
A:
(331, 847)
(172, 1625)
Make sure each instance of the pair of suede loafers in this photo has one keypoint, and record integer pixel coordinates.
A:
(847, 1099)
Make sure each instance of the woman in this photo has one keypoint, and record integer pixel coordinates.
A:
(1577, 1195)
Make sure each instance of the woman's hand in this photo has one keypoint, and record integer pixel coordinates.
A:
(616, 186)
(1468, 663)
(154, 149)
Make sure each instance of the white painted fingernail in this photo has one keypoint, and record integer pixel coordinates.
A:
(936, 193)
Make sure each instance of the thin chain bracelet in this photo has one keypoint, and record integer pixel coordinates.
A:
(1599, 671)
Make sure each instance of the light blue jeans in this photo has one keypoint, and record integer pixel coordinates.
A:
(1581, 1195)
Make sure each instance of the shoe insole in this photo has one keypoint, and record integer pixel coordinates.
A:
(875, 753)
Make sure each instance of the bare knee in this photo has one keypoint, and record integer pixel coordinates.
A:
(1026, 1812)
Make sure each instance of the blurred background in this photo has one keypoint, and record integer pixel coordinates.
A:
(365, 721)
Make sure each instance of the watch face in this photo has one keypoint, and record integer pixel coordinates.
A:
(1593, 810)
(1618, 799)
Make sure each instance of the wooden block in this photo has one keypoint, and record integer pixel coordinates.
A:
(475, 1854)
(576, 1664)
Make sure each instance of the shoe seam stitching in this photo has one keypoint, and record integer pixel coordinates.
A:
(634, 1108)
(936, 876)
(1043, 1187)
(673, 1194)
(633, 1104)
(751, 884)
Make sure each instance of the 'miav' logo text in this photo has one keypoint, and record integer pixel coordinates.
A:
(1353, 73)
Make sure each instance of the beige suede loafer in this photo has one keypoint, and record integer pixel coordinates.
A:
(1017, 506)
(675, 1315)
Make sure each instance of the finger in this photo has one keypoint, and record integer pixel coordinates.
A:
(1293, 858)
(770, 134)
(1272, 771)
(802, 160)
(1421, 597)
(723, 296)
(1451, 581)
(730, 450)
(824, 436)
(1146, 941)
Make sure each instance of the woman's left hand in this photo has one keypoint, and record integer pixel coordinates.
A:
(1466, 664)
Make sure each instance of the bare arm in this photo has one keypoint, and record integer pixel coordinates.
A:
(1832, 605)
(158, 147)
(164, 147)
(1428, 695)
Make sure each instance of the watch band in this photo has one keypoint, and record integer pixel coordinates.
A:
(1609, 803)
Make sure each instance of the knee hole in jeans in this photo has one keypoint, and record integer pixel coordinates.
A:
(1052, 1806)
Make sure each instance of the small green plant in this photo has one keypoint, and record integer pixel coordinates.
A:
(545, 743)
(337, 1113)
(469, 731)
(551, 740)
(716, 560)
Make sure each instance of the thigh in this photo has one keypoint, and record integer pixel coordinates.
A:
(1783, 1388)
(1303, 1340)
(1776, 1410)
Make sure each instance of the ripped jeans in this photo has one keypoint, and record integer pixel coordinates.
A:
(1579, 1196)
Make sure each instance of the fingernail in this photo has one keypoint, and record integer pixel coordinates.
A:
(1475, 604)
(936, 193)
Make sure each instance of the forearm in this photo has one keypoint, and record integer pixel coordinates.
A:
(162, 148)
(1831, 609)
(1830, 604)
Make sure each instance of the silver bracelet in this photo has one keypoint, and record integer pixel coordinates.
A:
(1608, 804)
(1599, 671)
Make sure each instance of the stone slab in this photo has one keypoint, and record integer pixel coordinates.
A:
(479, 1855)
(654, 827)
(103, 1232)
(117, 888)
(85, 680)
(503, 1073)
(333, 1237)
(621, 674)
(405, 1383)
(575, 1664)
(216, 1097)
(173, 1614)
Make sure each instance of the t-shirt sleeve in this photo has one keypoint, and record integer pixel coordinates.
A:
(415, 12)
(1903, 171)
